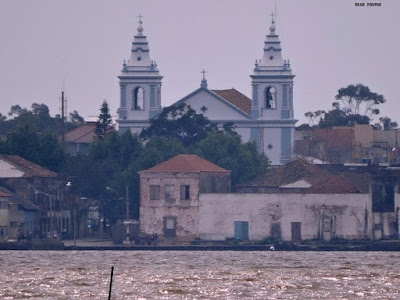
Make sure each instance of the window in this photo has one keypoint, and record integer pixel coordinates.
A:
(270, 97)
(169, 192)
(185, 192)
(154, 192)
(138, 99)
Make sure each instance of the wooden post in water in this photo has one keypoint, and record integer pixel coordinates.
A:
(111, 279)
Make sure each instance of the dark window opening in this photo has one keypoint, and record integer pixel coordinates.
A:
(185, 192)
(383, 194)
(138, 99)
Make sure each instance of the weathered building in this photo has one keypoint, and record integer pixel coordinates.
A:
(39, 186)
(169, 198)
(298, 201)
(17, 216)
(338, 145)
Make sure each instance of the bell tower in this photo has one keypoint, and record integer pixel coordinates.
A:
(272, 101)
(140, 84)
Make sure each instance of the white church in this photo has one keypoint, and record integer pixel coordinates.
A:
(267, 118)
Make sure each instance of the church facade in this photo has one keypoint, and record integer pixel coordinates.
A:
(267, 118)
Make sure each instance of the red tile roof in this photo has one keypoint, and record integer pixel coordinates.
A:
(322, 182)
(28, 168)
(185, 163)
(236, 98)
(83, 134)
(4, 194)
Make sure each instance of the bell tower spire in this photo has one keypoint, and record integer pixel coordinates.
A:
(140, 83)
(272, 84)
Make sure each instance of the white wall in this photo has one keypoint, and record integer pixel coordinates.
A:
(218, 212)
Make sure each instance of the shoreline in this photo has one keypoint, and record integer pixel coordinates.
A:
(107, 245)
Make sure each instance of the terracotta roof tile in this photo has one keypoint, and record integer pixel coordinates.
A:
(185, 163)
(83, 134)
(322, 182)
(236, 98)
(28, 168)
(4, 194)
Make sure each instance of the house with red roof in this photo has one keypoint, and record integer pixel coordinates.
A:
(189, 197)
(169, 194)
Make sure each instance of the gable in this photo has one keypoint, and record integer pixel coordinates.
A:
(300, 184)
(216, 107)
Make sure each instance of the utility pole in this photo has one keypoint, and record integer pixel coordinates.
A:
(127, 201)
(127, 210)
(62, 117)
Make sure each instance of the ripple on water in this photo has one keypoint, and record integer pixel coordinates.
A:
(199, 275)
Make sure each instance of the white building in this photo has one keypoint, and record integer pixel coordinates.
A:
(266, 119)
(188, 197)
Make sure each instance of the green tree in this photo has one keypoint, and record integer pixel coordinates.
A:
(356, 104)
(229, 152)
(159, 149)
(75, 118)
(181, 122)
(359, 100)
(103, 125)
(386, 123)
(41, 148)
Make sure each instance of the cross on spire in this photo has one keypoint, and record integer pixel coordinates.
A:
(272, 17)
(140, 18)
(204, 74)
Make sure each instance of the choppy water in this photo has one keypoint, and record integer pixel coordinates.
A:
(199, 275)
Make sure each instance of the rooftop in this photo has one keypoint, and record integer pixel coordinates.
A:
(311, 179)
(190, 163)
(83, 134)
(27, 168)
(236, 98)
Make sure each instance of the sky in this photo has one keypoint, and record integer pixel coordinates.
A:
(79, 46)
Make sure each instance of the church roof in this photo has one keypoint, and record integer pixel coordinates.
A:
(190, 163)
(236, 98)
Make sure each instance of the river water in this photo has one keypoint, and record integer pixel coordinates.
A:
(199, 275)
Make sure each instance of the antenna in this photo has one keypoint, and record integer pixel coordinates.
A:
(63, 115)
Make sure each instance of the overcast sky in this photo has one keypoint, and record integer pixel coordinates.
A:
(79, 46)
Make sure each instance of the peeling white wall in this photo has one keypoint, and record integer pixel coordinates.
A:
(218, 213)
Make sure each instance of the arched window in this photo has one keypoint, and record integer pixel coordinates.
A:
(138, 99)
(270, 97)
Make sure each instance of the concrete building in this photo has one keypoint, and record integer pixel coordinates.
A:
(338, 145)
(169, 194)
(40, 186)
(266, 118)
(295, 202)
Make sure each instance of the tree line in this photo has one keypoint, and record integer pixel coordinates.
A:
(114, 159)
(355, 104)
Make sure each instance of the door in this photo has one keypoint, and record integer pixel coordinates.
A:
(241, 230)
(296, 232)
(170, 226)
